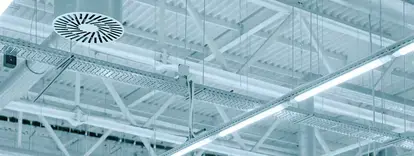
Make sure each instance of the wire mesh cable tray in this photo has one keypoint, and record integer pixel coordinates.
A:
(348, 128)
(95, 67)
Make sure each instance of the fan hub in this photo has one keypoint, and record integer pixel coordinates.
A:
(88, 27)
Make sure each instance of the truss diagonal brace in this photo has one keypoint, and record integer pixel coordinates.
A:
(99, 142)
(125, 111)
(211, 44)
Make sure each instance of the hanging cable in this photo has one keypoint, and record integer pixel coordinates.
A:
(372, 73)
(249, 51)
(204, 40)
(292, 42)
(240, 41)
(185, 28)
(404, 62)
(301, 38)
(310, 40)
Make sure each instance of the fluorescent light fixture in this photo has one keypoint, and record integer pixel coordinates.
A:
(193, 147)
(345, 77)
(404, 50)
(4, 4)
(251, 120)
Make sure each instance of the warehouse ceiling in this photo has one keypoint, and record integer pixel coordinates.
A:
(129, 95)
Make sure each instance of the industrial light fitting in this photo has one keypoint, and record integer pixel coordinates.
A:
(301, 93)
(193, 147)
(343, 78)
(4, 4)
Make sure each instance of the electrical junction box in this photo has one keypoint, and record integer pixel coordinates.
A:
(183, 70)
(9, 61)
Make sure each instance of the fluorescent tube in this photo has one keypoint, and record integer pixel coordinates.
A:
(193, 147)
(4, 4)
(251, 120)
(404, 50)
(345, 77)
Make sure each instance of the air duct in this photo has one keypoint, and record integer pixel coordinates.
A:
(88, 21)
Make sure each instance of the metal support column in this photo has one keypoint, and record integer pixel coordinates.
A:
(19, 130)
(190, 85)
(307, 134)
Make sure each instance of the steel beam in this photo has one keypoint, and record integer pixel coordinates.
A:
(366, 10)
(72, 141)
(227, 78)
(182, 12)
(266, 135)
(126, 112)
(262, 49)
(236, 41)
(53, 134)
(211, 20)
(237, 138)
(386, 72)
(280, 103)
(12, 151)
(19, 130)
(119, 101)
(161, 25)
(147, 145)
(330, 22)
(209, 40)
(160, 111)
(306, 133)
(143, 98)
(348, 148)
(409, 153)
(114, 125)
(255, 31)
(322, 141)
(379, 150)
(317, 45)
(98, 143)
(163, 124)
(20, 80)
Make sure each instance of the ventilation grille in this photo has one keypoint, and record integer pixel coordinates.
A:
(88, 27)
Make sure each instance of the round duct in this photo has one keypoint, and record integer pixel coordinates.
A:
(88, 21)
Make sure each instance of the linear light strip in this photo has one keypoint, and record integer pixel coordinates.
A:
(4, 4)
(397, 49)
(343, 78)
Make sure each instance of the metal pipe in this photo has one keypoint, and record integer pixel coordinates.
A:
(62, 68)
(307, 133)
(191, 108)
